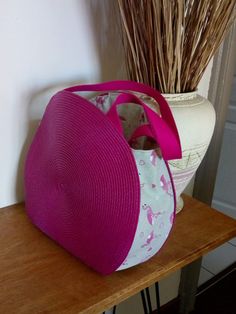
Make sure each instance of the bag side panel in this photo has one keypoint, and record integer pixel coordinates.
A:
(157, 208)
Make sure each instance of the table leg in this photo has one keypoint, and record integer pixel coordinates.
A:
(147, 306)
(158, 298)
(148, 300)
(145, 310)
(109, 311)
(188, 286)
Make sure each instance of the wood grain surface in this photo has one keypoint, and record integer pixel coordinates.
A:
(37, 276)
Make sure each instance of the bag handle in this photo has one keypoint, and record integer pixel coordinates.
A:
(125, 85)
(167, 123)
(142, 130)
(158, 127)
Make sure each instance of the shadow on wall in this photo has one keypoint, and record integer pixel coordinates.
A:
(106, 30)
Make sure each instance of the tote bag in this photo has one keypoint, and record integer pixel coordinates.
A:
(87, 187)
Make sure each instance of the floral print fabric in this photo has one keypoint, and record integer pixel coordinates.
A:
(157, 201)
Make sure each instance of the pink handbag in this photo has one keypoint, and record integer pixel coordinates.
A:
(87, 187)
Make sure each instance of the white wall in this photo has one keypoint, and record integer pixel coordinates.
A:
(45, 45)
(224, 197)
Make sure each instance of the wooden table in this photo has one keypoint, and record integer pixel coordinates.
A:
(37, 276)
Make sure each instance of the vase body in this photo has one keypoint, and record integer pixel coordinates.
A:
(195, 119)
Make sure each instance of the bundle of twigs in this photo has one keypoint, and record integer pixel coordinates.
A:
(169, 43)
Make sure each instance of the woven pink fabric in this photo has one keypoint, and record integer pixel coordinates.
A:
(83, 194)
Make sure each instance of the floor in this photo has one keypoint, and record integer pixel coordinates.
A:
(217, 260)
(225, 255)
(216, 296)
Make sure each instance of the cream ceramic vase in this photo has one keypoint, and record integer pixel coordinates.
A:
(195, 119)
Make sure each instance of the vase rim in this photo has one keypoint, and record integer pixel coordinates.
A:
(194, 92)
(180, 96)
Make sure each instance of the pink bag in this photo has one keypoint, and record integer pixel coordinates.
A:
(110, 205)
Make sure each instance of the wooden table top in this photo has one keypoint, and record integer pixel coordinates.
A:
(37, 276)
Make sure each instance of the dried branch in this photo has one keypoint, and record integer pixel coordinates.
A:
(169, 43)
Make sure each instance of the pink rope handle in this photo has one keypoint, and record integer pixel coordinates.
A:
(142, 130)
(168, 137)
(160, 130)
